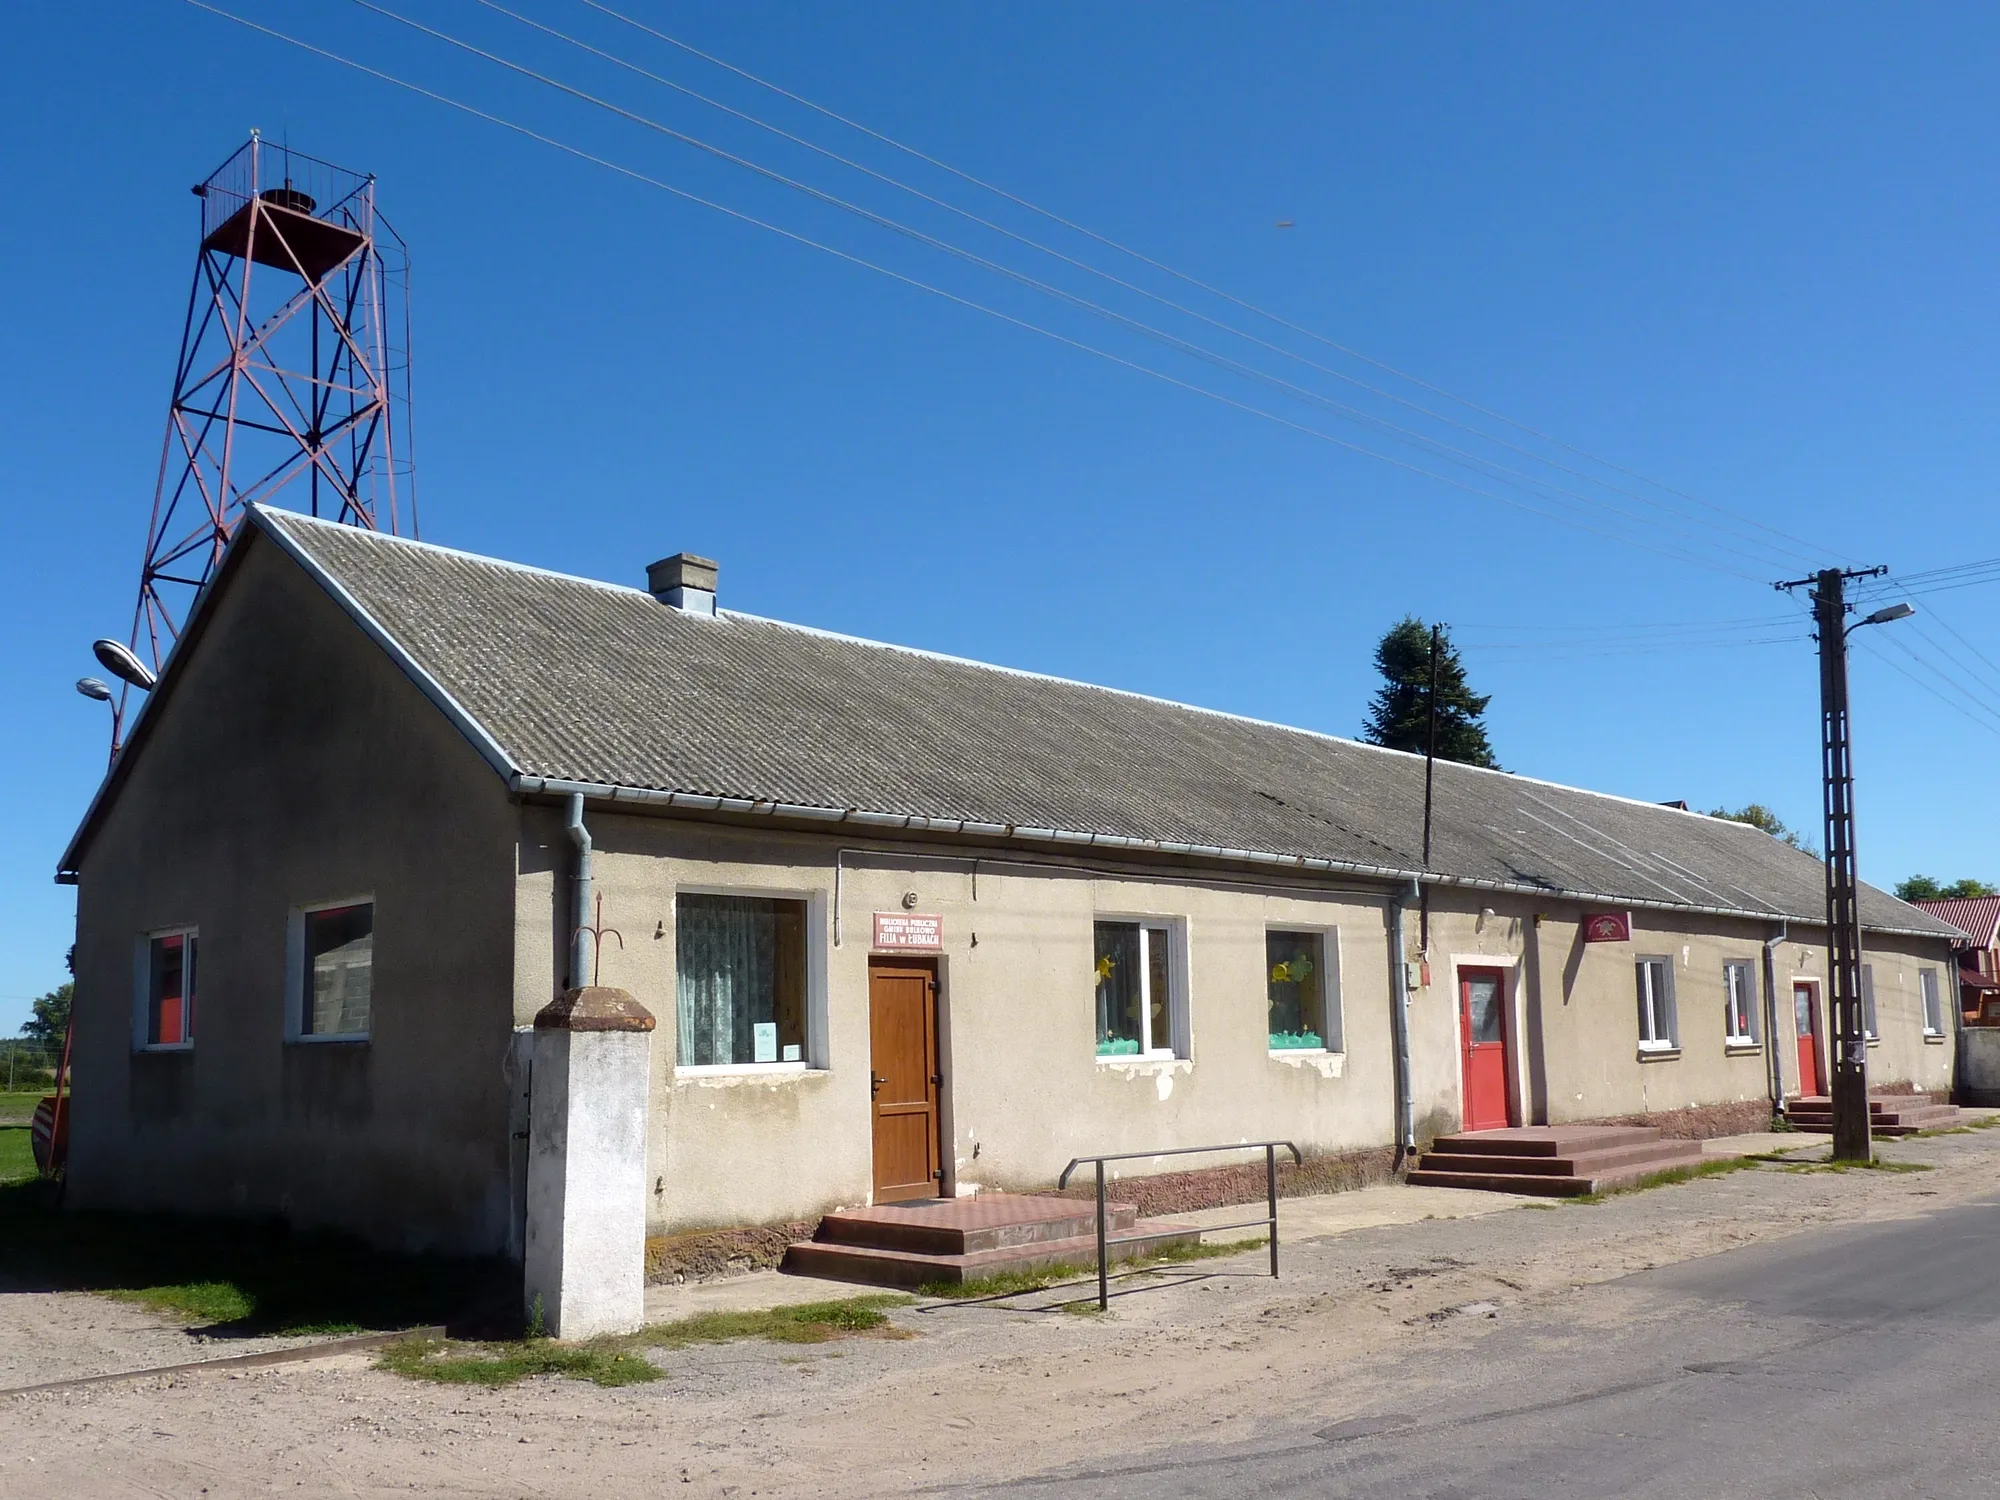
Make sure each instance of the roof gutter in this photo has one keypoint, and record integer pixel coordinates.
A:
(854, 817)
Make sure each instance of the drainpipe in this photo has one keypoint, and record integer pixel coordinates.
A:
(1399, 1019)
(1774, 1069)
(579, 942)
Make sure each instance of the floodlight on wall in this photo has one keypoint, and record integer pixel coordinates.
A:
(93, 687)
(123, 663)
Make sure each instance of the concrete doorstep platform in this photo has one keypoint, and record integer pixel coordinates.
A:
(957, 1240)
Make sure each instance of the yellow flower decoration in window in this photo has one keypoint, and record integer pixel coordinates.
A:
(1104, 968)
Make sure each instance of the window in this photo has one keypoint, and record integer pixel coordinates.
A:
(1927, 981)
(1303, 989)
(1739, 985)
(1868, 1026)
(169, 990)
(1137, 1006)
(740, 980)
(336, 984)
(1659, 1030)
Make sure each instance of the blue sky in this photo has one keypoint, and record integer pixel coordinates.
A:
(1745, 251)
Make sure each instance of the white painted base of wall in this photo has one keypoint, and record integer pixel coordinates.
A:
(584, 1265)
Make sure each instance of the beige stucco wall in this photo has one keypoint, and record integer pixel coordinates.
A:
(293, 763)
(1024, 1089)
(1581, 1001)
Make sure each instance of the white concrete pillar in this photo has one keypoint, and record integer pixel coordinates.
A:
(586, 1234)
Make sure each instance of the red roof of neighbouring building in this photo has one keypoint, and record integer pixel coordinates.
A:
(1978, 915)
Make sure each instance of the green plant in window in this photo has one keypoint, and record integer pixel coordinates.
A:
(1118, 1046)
(1296, 1041)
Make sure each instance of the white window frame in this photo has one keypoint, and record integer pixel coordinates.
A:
(1178, 1046)
(1871, 1021)
(1931, 988)
(295, 973)
(1652, 1005)
(1329, 944)
(142, 987)
(1731, 1036)
(815, 1059)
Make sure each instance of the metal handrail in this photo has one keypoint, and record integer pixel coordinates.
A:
(1269, 1222)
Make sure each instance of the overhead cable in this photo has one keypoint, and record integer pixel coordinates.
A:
(962, 301)
(1811, 549)
(1485, 467)
(1126, 285)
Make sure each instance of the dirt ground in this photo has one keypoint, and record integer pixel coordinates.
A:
(984, 1393)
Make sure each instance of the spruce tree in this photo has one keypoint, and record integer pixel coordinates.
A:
(1399, 715)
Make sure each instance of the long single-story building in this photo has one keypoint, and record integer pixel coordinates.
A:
(909, 925)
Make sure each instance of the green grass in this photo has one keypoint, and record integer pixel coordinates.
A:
(1013, 1283)
(17, 1154)
(622, 1360)
(18, 1107)
(1720, 1166)
(242, 1277)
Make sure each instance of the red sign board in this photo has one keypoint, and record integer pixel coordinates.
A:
(1607, 927)
(908, 931)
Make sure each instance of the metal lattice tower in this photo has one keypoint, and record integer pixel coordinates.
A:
(293, 384)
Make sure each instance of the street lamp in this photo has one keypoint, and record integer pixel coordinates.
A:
(1849, 1091)
(123, 663)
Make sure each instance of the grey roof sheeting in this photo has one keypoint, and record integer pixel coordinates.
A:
(570, 680)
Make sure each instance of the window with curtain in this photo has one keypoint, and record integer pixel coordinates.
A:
(170, 990)
(1304, 1011)
(740, 965)
(1136, 1003)
(1739, 984)
(1659, 1028)
(1927, 983)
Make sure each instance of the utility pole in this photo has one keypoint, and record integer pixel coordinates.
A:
(1430, 772)
(1849, 1090)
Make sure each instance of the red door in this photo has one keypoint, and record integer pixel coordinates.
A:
(1482, 1030)
(1804, 1010)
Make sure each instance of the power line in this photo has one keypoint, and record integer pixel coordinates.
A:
(1485, 467)
(1120, 282)
(1956, 705)
(1811, 549)
(950, 296)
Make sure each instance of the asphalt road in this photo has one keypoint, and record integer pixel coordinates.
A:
(1850, 1362)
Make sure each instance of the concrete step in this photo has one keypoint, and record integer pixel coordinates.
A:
(1533, 1184)
(968, 1226)
(1651, 1155)
(879, 1266)
(1544, 1140)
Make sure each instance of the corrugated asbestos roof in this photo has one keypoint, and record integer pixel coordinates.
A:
(582, 681)
(1976, 915)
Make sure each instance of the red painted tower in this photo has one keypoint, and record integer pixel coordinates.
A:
(293, 385)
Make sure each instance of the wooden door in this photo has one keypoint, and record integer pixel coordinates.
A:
(1805, 1011)
(903, 1078)
(1482, 1030)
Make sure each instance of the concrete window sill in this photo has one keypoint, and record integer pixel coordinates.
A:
(780, 1072)
(1659, 1054)
(1743, 1049)
(1329, 1064)
(1933, 1038)
(361, 1039)
(1131, 1064)
(155, 1049)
